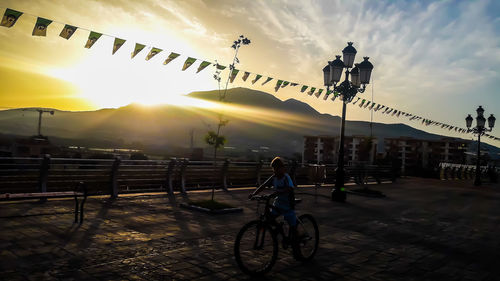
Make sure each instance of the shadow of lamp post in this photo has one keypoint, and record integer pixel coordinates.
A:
(479, 130)
(360, 77)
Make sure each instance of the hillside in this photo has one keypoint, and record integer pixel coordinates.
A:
(280, 126)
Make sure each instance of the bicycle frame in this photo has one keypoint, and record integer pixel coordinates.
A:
(268, 227)
(270, 219)
(267, 218)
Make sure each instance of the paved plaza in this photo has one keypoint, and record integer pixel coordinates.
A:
(423, 230)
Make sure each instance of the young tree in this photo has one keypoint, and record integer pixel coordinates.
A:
(214, 138)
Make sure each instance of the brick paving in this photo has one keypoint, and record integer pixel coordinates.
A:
(423, 230)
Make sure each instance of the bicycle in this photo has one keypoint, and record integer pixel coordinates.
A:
(256, 245)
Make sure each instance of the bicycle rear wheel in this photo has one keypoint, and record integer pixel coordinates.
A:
(256, 248)
(307, 238)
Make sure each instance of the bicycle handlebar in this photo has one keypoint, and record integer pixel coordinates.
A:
(263, 197)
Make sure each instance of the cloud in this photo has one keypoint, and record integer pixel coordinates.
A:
(425, 53)
(419, 50)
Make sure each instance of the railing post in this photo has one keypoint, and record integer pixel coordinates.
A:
(469, 173)
(183, 175)
(225, 171)
(293, 171)
(170, 177)
(377, 174)
(258, 172)
(44, 174)
(114, 177)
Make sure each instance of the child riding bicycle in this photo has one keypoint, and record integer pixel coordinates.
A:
(284, 203)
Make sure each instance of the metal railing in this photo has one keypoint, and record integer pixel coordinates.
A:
(115, 176)
(450, 171)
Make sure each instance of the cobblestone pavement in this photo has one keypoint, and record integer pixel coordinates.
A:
(423, 230)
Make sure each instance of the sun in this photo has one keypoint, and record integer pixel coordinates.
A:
(110, 81)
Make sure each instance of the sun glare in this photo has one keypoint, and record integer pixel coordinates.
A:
(108, 80)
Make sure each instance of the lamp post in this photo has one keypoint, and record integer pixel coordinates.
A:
(360, 77)
(479, 130)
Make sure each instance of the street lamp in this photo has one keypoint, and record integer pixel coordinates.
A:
(479, 130)
(360, 77)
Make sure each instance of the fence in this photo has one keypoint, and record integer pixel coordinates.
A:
(449, 171)
(115, 176)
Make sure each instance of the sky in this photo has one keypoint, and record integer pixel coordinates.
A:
(435, 59)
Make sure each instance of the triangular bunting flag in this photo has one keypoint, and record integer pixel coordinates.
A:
(268, 79)
(171, 57)
(189, 61)
(278, 85)
(245, 76)
(327, 94)
(137, 49)
(203, 65)
(362, 102)
(356, 100)
(294, 84)
(10, 18)
(335, 95)
(152, 53)
(40, 28)
(67, 31)
(234, 72)
(311, 91)
(319, 93)
(220, 67)
(371, 106)
(93, 36)
(304, 88)
(257, 77)
(285, 83)
(368, 103)
(117, 44)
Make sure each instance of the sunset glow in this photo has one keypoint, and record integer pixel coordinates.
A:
(290, 41)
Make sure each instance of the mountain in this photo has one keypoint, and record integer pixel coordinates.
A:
(256, 119)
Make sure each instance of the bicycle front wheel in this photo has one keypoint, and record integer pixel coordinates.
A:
(307, 238)
(256, 248)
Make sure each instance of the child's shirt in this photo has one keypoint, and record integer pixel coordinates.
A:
(282, 201)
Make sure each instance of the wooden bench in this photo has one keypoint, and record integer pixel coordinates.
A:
(80, 191)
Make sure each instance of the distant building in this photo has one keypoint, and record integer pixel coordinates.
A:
(409, 152)
(324, 149)
(319, 149)
(34, 146)
(417, 153)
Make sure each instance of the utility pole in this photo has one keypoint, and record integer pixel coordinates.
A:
(40, 112)
(191, 133)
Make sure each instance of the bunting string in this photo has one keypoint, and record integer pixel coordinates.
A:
(11, 17)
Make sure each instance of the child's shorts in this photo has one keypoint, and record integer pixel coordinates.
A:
(288, 215)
